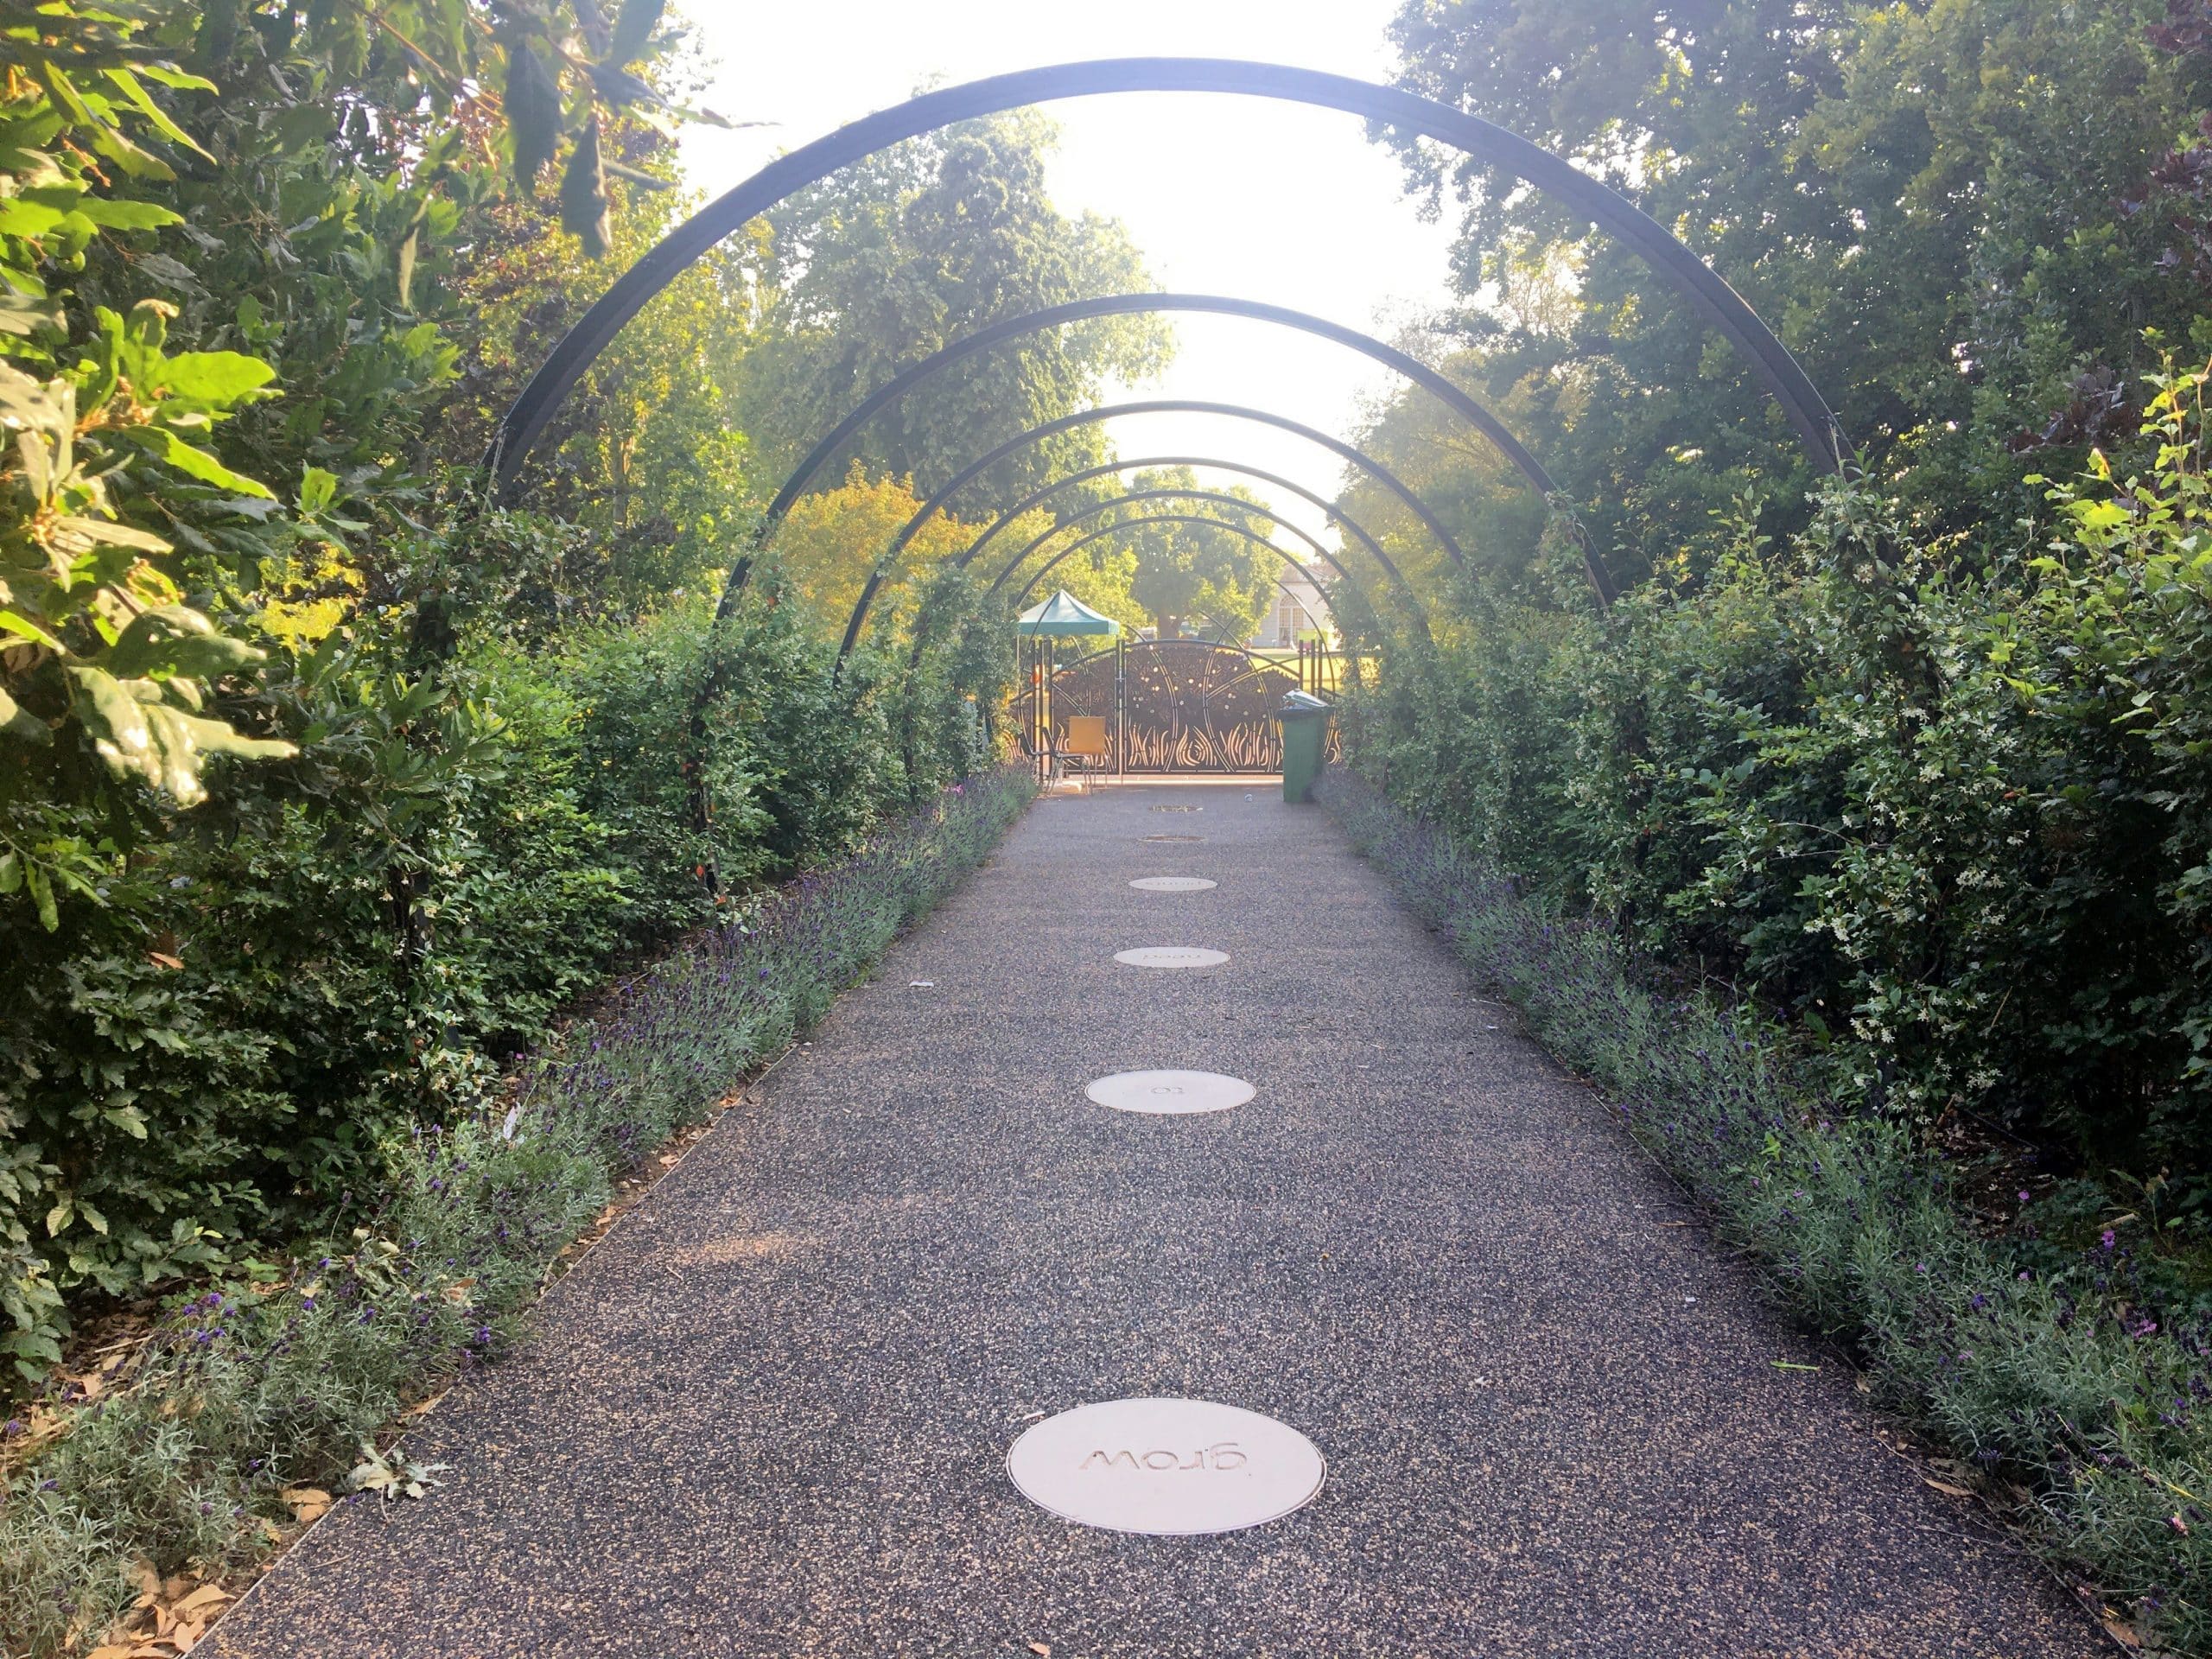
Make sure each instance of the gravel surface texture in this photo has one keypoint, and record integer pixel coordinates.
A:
(769, 1414)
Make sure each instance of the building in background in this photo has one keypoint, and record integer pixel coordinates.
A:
(1298, 613)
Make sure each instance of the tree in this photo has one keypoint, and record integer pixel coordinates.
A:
(1943, 208)
(910, 250)
(1183, 571)
(833, 539)
(216, 349)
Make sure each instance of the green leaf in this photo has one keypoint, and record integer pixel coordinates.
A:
(175, 640)
(634, 30)
(404, 261)
(166, 75)
(80, 533)
(42, 893)
(115, 214)
(583, 193)
(20, 216)
(116, 720)
(23, 315)
(318, 490)
(153, 112)
(206, 736)
(59, 1217)
(16, 623)
(139, 163)
(197, 463)
(220, 378)
(24, 727)
(533, 111)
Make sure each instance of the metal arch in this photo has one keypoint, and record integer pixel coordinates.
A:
(1319, 551)
(934, 505)
(1282, 587)
(1238, 503)
(1781, 375)
(1412, 368)
(1106, 469)
(859, 617)
(1082, 542)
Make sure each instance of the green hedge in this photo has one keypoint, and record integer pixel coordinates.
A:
(2066, 1381)
(1946, 806)
(226, 1040)
(251, 1386)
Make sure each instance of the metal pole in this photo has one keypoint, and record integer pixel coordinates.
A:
(1120, 721)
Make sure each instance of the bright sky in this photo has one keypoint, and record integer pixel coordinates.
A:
(1224, 195)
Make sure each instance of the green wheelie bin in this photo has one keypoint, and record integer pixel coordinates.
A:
(1305, 739)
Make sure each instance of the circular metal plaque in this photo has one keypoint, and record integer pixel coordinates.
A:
(1169, 1468)
(1171, 884)
(1174, 837)
(1171, 956)
(1170, 1094)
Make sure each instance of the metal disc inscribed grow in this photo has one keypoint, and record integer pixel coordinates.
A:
(1170, 1468)
(1170, 1094)
(1171, 884)
(1171, 956)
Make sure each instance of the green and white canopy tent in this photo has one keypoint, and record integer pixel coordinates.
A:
(1062, 617)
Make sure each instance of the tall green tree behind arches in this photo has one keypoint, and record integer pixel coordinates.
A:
(1948, 208)
(909, 250)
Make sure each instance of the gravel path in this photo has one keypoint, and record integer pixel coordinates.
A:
(769, 1414)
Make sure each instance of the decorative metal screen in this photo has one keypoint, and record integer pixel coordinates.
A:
(1187, 705)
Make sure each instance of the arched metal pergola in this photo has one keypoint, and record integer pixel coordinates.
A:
(1673, 263)
(936, 504)
(1190, 494)
(1668, 257)
(1412, 368)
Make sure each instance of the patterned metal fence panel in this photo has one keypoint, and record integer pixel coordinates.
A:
(1187, 705)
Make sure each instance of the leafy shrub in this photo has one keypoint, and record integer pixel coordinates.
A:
(283, 1382)
(1945, 805)
(2067, 1376)
(236, 1036)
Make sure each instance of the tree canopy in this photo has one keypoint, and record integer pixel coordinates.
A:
(897, 256)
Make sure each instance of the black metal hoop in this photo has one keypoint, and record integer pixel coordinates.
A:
(1781, 375)
(1357, 530)
(934, 505)
(1412, 368)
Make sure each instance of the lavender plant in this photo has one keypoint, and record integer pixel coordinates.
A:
(2073, 1389)
(255, 1386)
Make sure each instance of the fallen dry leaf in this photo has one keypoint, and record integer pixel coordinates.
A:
(207, 1596)
(307, 1503)
(113, 1650)
(1946, 1487)
(1039, 1647)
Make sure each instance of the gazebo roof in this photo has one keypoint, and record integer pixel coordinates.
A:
(1063, 613)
